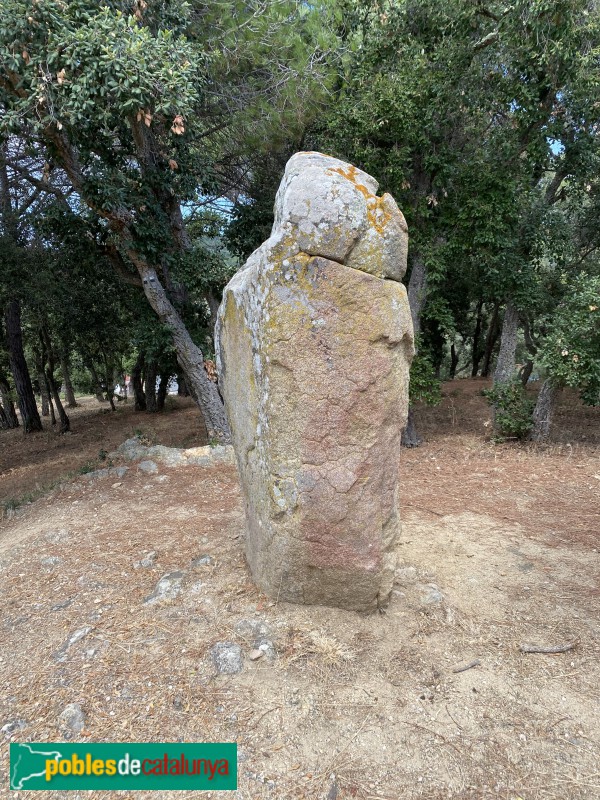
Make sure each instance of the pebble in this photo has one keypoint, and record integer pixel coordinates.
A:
(203, 561)
(430, 594)
(60, 606)
(72, 719)
(149, 559)
(95, 474)
(50, 561)
(266, 646)
(13, 727)
(252, 628)
(81, 633)
(406, 575)
(168, 588)
(149, 467)
(227, 658)
(57, 535)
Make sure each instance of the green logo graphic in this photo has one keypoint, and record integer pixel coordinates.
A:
(160, 767)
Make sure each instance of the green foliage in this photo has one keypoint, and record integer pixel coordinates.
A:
(89, 466)
(512, 409)
(571, 349)
(424, 386)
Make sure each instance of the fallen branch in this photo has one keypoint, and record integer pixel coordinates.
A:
(559, 648)
(470, 665)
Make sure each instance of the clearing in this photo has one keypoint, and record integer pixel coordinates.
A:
(499, 549)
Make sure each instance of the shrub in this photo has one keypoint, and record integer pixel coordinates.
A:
(424, 386)
(512, 409)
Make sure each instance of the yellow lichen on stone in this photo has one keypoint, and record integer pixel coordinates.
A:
(351, 175)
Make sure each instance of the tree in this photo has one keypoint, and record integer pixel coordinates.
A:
(18, 364)
(570, 351)
(134, 109)
(420, 93)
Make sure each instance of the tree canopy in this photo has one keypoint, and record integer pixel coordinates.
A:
(141, 145)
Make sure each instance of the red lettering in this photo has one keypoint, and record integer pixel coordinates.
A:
(223, 768)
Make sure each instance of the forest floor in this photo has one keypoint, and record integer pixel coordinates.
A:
(31, 465)
(499, 548)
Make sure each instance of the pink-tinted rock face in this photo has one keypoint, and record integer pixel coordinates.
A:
(314, 358)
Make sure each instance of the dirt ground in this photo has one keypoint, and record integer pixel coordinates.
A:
(29, 465)
(499, 549)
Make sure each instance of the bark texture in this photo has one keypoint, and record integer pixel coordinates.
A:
(150, 387)
(542, 413)
(136, 382)
(9, 419)
(161, 393)
(189, 356)
(477, 349)
(505, 366)
(65, 425)
(417, 295)
(18, 365)
(490, 341)
(69, 393)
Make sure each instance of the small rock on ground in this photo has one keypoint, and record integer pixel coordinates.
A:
(168, 588)
(406, 575)
(81, 633)
(430, 594)
(13, 727)
(252, 628)
(148, 560)
(203, 561)
(72, 719)
(50, 561)
(149, 467)
(227, 658)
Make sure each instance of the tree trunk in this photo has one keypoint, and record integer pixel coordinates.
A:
(69, 393)
(162, 392)
(46, 385)
(453, 361)
(526, 372)
(542, 413)
(505, 366)
(44, 395)
(150, 387)
(18, 365)
(477, 351)
(182, 390)
(490, 341)
(98, 391)
(417, 292)
(189, 356)
(410, 437)
(65, 425)
(417, 295)
(10, 419)
(136, 381)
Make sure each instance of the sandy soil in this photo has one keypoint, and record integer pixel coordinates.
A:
(499, 549)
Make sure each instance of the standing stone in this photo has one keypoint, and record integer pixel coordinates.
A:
(314, 344)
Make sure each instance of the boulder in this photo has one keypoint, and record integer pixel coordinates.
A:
(314, 344)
